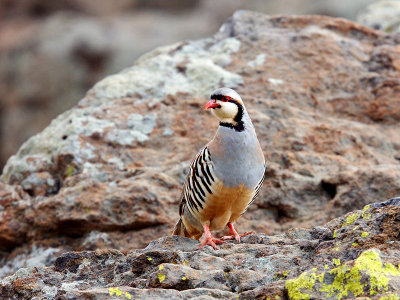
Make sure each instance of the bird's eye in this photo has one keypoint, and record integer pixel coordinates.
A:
(226, 98)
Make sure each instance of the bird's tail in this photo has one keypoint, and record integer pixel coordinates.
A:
(180, 229)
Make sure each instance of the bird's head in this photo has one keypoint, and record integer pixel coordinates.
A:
(227, 106)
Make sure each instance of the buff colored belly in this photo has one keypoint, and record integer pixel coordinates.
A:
(225, 205)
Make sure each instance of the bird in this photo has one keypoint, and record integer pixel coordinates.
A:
(225, 176)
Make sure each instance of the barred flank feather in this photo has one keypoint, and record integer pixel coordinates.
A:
(198, 184)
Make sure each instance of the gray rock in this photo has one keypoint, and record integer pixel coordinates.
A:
(359, 259)
(104, 175)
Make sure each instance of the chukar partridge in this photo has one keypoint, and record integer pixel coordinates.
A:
(225, 176)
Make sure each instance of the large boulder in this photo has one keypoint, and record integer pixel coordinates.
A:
(323, 95)
(52, 52)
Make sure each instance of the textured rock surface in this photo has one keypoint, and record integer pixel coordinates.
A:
(352, 256)
(52, 52)
(324, 97)
(383, 15)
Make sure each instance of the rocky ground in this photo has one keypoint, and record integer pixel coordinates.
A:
(355, 255)
(107, 174)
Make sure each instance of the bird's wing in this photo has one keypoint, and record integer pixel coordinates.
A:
(256, 191)
(198, 183)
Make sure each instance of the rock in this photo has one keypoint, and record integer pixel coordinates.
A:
(85, 47)
(383, 15)
(13, 205)
(71, 44)
(323, 96)
(359, 258)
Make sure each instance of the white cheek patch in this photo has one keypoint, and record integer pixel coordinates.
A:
(227, 112)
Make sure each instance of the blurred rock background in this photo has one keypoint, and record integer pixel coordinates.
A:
(52, 52)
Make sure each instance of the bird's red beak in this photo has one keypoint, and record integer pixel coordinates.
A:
(211, 104)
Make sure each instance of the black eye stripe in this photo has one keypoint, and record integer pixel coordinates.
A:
(217, 97)
(221, 97)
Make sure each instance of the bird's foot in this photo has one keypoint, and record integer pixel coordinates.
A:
(237, 236)
(234, 235)
(209, 239)
(212, 242)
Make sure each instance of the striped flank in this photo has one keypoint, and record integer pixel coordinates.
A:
(198, 184)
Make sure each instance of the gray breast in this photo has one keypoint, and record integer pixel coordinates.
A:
(240, 161)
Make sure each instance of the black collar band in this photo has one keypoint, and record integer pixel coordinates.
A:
(239, 115)
(239, 127)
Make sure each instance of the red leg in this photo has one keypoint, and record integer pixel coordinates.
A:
(209, 239)
(234, 235)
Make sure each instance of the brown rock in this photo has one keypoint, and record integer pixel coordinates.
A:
(89, 40)
(108, 173)
(13, 205)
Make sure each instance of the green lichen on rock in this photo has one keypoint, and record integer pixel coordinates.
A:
(365, 214)
(297, 288)
(350, 219)
(336, 261)
(347, 279)
(117, 292)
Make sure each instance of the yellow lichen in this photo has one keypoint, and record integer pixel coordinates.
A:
(353, 217)
(347, 279)
(354, 244)
(117, 292)
(341, 284)
(365, 214)
(335, 234)
(364, 234)
(161, 277)
(370, 262)
(297, 287)
(350, 219)
(321, 277)
(281, 275)
(336, 261)
(184, 278)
